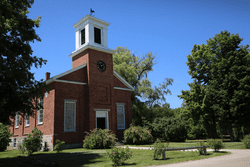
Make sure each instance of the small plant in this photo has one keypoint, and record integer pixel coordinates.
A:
(216, 144)
(137, 135)
(59, 145)
(119, 155)
(246, 141)
(99, 138)
(158, 148)
(201, 150)
(4, 136)
(32, 144)
(21, 148)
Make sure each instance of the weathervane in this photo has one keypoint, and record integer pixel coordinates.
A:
(91, 11)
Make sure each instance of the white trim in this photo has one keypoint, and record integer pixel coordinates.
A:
(122, 88)
(101, 109)
(65, 73)
(98, 47)
(71, 82)
(70, 101)
(121, 105)
(92, 18)
(100, 113)
(123, 80)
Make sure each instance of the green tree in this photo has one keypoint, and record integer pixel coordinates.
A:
(33, 143)
(222, 67)
(134, 70)
(4, 136)
(17, 82)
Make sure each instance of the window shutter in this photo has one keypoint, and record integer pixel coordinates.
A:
(97, 34)
(17, 118)
(120, 117)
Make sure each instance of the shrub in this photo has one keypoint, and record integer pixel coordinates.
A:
(216, 144)
(4, 136)
(38, 162)
(21, 148)
(246, 141)
(137, 135)
(158, 148)
(32, 144)
(170, 129)
(59, 145)
(119, 155)
(201, 150)
(99, 138)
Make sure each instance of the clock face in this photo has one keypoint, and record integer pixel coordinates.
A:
(101, 66)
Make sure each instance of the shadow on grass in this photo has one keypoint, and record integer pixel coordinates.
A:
(162, 159)
(128, 164)
(75, 159)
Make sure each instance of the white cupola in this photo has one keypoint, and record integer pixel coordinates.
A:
(92, 33)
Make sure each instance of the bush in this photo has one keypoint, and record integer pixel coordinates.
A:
(21, 148)
(59, 145)
(119, 155)
(41, 162)
(32, 144)
(201, 150)
(216, 144)
(158, 148)
(137, 135)
(246, 141)
(170, 129)
(99, 138)
(4, 136)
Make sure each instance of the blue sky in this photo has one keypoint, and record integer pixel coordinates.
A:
(167, 28)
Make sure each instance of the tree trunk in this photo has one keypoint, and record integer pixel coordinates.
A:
(231, 132)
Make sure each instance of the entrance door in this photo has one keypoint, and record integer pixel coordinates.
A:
(101, 122)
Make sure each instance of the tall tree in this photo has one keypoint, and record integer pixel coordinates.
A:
(223, 67)
(17, 83)
(135, 70)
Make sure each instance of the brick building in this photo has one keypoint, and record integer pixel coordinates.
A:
(90, 95)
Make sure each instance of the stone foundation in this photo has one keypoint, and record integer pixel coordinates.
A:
(46, 138)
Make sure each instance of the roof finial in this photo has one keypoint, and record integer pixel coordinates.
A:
(91, 11)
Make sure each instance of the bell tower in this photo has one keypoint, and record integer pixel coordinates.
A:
(90, 33)
(91, 48)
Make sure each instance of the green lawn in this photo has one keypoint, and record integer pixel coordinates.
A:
(98, 158)
(228, 145)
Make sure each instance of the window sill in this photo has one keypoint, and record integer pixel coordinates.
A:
(26, 126)
(40, 123)
(69, 131)
(16, 127)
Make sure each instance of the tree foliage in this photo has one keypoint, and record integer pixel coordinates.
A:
(134, 70)
(17, 83)
(221, 87)
(4, 136)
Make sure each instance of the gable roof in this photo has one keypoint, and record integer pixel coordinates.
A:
(55, 78)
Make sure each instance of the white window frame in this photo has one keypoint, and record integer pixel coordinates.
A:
(74, 124)
(27, 120)
(17, 119)
(39, 113)
(120, 105)
(14, 142)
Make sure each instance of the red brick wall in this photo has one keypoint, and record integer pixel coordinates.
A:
(118, 83)
(78, 76)
(48, 119)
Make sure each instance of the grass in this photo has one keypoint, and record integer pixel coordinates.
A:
(228, 145)
(99, 158)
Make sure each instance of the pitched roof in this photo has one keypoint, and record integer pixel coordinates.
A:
(55, 78)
